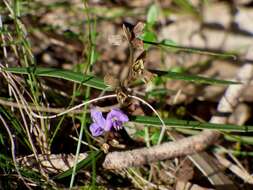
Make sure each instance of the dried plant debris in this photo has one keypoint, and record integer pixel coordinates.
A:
(135, 69)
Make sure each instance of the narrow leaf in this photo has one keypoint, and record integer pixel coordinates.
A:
(192, 78)
(87, 80)
(20, 134)
(167, 43)
(176, 123)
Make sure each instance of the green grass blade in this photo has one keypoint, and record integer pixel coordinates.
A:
(87, 80)
(192, 78)
(239, 138)
(17, 127)
(237, 152)
(168, 43)
(81, 165)
(242, 139)
(97, 83)
(176, 123)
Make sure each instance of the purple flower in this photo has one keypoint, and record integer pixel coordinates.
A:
(115, 118)
(97, 127)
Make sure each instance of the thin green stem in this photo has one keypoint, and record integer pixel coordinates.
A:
(83, 125)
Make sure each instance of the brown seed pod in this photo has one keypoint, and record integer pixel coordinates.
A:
(137, 68)
(121, 95)
(105, 148)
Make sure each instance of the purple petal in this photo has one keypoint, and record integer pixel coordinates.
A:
(96, 130)
(97, 117)
(117, 113)
(108, 124)
(117, 125)
(115, 118)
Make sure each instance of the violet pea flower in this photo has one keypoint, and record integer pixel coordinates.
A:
(115, 118)
(97, 127)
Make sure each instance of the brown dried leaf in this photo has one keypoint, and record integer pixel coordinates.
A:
(138, 29)
(127, 33)
(111, 81)
(138, 44)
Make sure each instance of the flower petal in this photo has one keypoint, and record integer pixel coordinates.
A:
(97, 117)
(117, 113)
(108, 124)
(96, 130)
(115, 118)
(117, 125)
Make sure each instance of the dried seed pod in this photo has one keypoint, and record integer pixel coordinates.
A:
(137, 68)
(121, 95)
(116, 144)
(105, 148)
